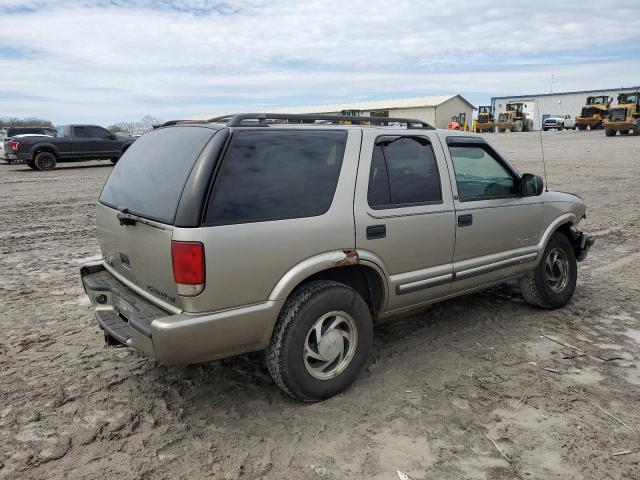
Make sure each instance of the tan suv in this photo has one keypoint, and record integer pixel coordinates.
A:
(292, 233)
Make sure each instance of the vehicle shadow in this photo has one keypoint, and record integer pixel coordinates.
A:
(64, 166)
(245, 378)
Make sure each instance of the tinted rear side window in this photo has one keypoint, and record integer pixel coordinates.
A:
(274, 175)
(149, 178)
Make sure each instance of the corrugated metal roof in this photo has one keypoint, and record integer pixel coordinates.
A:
(367, 106)
(579, 92)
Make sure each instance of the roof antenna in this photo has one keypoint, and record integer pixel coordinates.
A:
(544, 164)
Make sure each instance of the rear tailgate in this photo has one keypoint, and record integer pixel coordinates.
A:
(140, 253)
(138, 204)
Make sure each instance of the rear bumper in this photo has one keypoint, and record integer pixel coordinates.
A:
(128, 318)
(18, 157)
(620, 125)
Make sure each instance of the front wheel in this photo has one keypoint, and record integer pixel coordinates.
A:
(552, 283)
(609, 132)
(321, 341)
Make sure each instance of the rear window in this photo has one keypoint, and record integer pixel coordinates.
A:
(27, 131)
(276, 175)
(149, 178)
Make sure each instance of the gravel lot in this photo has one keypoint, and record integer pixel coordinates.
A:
(436, 385)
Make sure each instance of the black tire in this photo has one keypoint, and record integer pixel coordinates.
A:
(609, 132)
(536, 287)
(30, 164)
(624, 132)
(305, 307)
(582, 127)
(44, 161)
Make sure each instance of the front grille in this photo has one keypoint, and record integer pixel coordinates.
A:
(483, 118)
(589, 111)
(618, 114)
(503, 117)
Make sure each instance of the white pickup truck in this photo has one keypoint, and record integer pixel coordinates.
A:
(559, 122)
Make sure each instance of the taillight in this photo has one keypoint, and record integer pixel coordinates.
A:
(188, 267)
(13, 145)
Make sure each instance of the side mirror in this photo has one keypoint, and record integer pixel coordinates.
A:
(532, 185)
(112, 136)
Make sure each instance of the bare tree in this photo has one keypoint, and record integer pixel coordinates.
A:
(145, 124)
(24, 122)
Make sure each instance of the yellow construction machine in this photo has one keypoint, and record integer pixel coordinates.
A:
(485, 121)
(514, 119)
(625, 117)
(594, 112)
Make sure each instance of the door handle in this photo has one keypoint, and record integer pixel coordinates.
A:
(465, 220)
(376, 231)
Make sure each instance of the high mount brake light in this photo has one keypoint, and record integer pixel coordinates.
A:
(188, 267)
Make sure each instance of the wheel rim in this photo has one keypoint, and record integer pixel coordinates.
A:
(557, 270)
(45, 162)
(330, 345)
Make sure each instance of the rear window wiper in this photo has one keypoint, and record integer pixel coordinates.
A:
(126, 218)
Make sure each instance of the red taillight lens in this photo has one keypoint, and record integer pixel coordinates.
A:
(13, 145)
(188, 263)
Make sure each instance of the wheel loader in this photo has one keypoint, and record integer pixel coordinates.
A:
(485, 121)
(514, 119)
(594, 112)
(625, 117)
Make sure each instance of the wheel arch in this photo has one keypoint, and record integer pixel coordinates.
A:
(565, 224)
(349, 266)
(44, 147)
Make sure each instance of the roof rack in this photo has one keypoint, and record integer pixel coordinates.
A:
(176, 122)
(266, 119)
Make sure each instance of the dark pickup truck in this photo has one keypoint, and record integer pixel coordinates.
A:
(71, 143)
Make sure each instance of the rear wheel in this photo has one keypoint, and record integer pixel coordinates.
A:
(609, 132)
(552, 283)
(44, 161)
(321, 341)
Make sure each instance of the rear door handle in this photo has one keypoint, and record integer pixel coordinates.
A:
(465, 220)
(376, 231)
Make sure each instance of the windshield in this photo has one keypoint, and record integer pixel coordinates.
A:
(598, 100)
(514, 106)
(628, 98)
(484, 110)
(149, 178)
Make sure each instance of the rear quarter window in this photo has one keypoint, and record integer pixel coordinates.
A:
(276, 175)
(149, 178)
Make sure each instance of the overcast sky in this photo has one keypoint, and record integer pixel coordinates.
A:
(104, 61)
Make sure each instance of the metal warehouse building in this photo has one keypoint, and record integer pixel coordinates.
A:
(436, 110)
(541, 106)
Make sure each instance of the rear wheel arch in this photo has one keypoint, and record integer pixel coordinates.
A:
(346, 267)
(46, 149)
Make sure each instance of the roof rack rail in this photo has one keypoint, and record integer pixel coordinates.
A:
(176, 122)
(266, 119)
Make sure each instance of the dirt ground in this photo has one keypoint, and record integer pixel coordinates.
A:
(437, 383)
